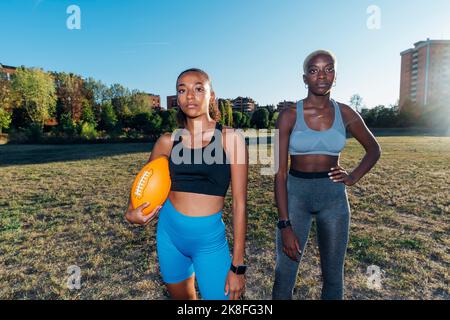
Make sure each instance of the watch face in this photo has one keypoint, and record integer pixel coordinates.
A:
(283, 224)
(241, 269)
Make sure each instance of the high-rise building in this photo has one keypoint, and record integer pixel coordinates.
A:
(425, 73)
(242, 104)
(285, 105)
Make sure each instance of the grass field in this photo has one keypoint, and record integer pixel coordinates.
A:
(64, 205)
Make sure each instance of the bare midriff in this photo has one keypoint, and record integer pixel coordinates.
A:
(313, 162)
(195, 204)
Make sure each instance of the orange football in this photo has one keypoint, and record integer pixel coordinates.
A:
(152, 185)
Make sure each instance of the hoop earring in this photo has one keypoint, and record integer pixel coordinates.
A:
(306, 86)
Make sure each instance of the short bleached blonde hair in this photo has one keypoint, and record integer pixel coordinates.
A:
(316, 53)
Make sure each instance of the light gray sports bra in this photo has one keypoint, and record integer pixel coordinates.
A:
(304, 140)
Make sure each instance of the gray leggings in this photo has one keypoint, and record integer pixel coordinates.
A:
(327, 202)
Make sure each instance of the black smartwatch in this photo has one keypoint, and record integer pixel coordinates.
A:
(240, 269)
(283, 224)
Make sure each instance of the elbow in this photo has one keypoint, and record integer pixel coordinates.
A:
(374, 152)
(281, 175)
(378, 152)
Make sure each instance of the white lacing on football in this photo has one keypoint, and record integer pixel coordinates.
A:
(140, 186)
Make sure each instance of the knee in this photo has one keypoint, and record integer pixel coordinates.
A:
(184, 290)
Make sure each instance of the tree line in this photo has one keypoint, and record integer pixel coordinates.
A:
(87, 109)
(435, 115)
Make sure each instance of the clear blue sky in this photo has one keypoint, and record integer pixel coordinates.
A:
(249, 47)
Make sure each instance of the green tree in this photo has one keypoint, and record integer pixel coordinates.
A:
(155, 123)
(381, 117)
(369, 117)
(20, 118)
(120, 99)
(260, 119)
(169, 120)
(5, 119)
(148, 122)
(95, 91)
(108, 119)
(229, 113)
(245, 122)
(139, 103)
(6, 97)
(271, 108)
(70, 92)
(237, 119)
(34, 90)
(88, 131)
(140, 121)
(88, 115)
(223, 113)
(387, 117)
(5, 103)
(67, 125)
(274, 118)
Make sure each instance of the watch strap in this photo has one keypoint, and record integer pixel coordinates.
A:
(283, 224)
(240, 269)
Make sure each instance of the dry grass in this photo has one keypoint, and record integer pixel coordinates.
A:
(57, 211)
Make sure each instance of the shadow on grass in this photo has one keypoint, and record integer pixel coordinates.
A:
(23, 154)
(36, 154)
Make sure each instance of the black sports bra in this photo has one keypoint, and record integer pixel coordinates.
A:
(199, 170)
